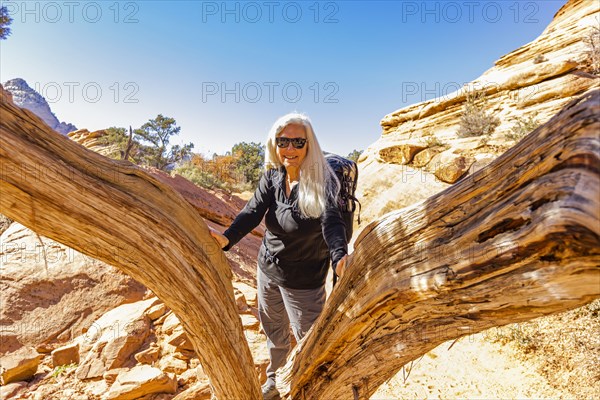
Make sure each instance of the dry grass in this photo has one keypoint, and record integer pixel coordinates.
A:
(565, 347)
(592, 41)
(475, 120)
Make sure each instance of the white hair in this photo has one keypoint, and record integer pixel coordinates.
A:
(317, 184)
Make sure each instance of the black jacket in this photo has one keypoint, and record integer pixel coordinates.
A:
(295, 251)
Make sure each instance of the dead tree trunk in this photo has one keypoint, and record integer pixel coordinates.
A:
(516, 240)
(118, 213)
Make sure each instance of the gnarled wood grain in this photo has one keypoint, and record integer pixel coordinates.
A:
(514, 241)
(118, 213)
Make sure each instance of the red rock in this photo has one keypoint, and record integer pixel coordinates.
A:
(74, 290)
(65, 355)
(149, 355)
(19, 366)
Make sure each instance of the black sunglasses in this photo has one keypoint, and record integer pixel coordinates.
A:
(284, 142)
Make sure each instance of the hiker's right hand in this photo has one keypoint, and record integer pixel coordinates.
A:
(219, 237)
(342, 265)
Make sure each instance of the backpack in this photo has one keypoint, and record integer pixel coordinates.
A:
(346, 172)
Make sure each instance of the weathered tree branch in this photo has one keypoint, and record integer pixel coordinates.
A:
(116, 212)
(516, 240)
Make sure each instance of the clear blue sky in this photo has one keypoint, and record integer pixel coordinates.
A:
(226, 70)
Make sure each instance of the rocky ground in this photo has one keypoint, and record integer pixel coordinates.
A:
(140, 350)
(137, 350)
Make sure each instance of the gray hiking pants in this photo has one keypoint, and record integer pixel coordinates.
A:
(280, 307)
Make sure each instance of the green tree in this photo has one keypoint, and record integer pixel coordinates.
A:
(5, 21)
(117, 140)
(157, 133)
(249, 160)
(354, 155)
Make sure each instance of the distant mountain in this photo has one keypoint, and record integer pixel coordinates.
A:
(26, 97)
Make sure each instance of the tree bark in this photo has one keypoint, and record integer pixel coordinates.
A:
(516, 240)
(116, 212)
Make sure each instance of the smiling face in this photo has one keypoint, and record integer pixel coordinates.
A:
(289, 156)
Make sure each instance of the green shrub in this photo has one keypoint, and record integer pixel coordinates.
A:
(522, 127)
(354, 155)
(197, 176)
(475, 121)
(62, 369)
(206, 176)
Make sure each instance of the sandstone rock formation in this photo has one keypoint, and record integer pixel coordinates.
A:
(92, 140)
(65, 355)
(53, 291)
(537, 79)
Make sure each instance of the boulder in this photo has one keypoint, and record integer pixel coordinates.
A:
(240, 301)
(141, 381)
(65, 355)
(111, 375)
(114, 338)
(424, 157)
(180, 340)
(157, 311)
(192, 375)
(170, 363)
(171, 322)
(450, 167)
(19, 366)
(96, 389)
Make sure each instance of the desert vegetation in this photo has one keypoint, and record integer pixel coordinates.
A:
(475, 119)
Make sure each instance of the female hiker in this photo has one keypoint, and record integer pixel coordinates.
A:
(305, 231)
